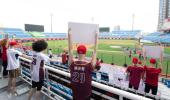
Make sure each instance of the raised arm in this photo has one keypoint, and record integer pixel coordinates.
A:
(70, 47)
(27, 57)
(7, 43)
(93, 61)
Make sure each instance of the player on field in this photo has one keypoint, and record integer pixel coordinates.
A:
(81, 70)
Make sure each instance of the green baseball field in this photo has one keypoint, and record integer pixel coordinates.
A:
(111, 51)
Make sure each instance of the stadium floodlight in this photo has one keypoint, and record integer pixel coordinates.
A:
(51, 17)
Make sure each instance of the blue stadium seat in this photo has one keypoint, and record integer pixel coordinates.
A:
(120, 34)
(105, 77)
(168, 83)
(55, 35)
(94, 75)
(15, 31)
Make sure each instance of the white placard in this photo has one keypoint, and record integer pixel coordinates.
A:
(153, 51)
(83, 33)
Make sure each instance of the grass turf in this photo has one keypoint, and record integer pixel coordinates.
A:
(105, 52)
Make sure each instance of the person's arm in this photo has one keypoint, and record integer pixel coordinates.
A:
(70, 47)
(7, 43)
(25, 56)
(93, 61)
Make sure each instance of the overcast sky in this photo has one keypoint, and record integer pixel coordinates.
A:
(106, 13)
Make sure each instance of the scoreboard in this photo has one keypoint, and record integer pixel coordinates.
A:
(104, 29)
(36, 28)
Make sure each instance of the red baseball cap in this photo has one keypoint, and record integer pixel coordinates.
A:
(152, 61)
(12, 43)
(135, 60)
(81, 49)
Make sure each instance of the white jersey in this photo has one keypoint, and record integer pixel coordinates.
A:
(38, 61)
(13, 59)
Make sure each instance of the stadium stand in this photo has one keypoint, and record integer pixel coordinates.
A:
(122, 34)
(55, 35)
(59, 83)
(15, 31)
(158, 37)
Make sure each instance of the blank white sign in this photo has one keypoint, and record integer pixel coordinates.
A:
(153, 51)
(83, 33)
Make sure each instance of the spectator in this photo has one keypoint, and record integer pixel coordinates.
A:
(152, 75)
(4, 45)
(81, 71)
(130, 53)
(37, 68)
(101, 61)
(98, 66)
(135, 74)
(13, 66)
(50, 53)
(67, 57)
(64, 57)
(0, 61)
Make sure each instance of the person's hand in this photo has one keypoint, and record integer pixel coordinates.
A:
(96, 40)
(69, 31)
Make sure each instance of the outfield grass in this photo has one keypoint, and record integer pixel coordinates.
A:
(105, 52)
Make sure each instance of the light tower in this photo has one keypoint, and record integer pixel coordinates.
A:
(51, 17)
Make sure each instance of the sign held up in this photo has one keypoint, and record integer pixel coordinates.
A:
(83, 33)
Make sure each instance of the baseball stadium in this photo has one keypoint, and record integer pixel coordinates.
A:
(119, 64)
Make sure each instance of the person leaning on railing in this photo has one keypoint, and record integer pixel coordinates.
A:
(152, 76)
(81, 70)
(37, 69)
(4, 45)
(135, 73)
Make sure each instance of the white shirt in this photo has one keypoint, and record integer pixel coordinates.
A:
(13, 59)
(38, 58)
(50, 52)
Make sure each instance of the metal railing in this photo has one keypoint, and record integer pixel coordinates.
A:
(57, 76)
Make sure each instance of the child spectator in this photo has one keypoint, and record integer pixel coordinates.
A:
(37, 68)
(13, 66)
(152, 75)
(135, 74)
(81, 71)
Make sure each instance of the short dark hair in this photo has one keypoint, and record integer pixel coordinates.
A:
(39, 45)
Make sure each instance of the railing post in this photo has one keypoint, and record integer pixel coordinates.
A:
(120, 97)
(48, 83)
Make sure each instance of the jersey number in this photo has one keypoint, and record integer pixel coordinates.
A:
(34, 61)
(78, 77)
